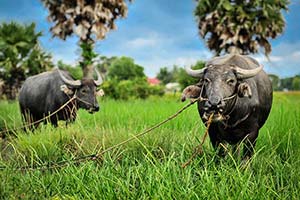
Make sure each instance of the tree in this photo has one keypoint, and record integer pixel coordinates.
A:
(286, 83)
(275, 81)
(184, 79)
(126, 80)
(89, 19)
(240, 26)
(296, 83)
(75, 71)
(103, 63)
(20, 55)
(164, 75)
(124, 68)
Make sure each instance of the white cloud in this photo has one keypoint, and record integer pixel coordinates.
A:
(142, 42)
(284, 59)
(296, 56)
(263, 58)
(179, 58)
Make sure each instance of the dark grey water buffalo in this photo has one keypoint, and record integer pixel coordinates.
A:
(43, 94)
(239, 93)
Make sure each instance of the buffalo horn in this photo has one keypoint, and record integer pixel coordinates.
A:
(197, 73)
(246, 73)
(100, 80)
(69, 82)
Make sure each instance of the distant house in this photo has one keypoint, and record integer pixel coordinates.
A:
(153, 81)
(172, 87)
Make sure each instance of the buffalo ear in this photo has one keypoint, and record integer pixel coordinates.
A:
(192, 91)
(244, 90)
(66, 90)
(100, 93)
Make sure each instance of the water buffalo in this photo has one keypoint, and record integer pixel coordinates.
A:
(43, 94)
(239, 93)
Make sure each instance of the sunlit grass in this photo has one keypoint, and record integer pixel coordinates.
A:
(150, 167)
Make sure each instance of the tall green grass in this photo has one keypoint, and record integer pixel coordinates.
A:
(150, 167)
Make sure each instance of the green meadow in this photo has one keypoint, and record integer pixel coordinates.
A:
(150, 166)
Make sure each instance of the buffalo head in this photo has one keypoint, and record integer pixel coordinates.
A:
(221, 81)
(85, 91)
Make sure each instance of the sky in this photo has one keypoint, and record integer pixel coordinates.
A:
(156, 34)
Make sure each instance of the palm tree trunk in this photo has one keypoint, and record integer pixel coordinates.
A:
(88, 71)
(87, 54)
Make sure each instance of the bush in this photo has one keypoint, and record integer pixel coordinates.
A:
(157, 90)
(137, 88)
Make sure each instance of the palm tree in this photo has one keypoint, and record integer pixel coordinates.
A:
(89, 19)
(17, 42)
(240, 26)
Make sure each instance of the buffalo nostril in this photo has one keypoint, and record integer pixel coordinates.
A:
(214, 104)
(96, 108)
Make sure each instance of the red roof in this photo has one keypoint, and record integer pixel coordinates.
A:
(153, 81)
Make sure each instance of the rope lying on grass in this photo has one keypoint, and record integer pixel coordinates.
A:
(40, 120)
(93, 157)
(198, 149)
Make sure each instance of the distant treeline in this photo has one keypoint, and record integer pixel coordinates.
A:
(284, 84)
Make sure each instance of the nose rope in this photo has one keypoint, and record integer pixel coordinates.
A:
(224, 99)
(79, 99)
(83, 101)
(230, 97)
(200, 96)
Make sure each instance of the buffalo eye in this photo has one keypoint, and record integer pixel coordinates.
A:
(84, 91)
(230, 81)
(206, 81)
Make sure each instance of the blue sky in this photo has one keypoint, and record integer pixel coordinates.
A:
(157, 33)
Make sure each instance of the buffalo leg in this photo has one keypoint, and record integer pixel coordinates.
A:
(215, 141)
(249, 144)
(29, 121)
(54, 121)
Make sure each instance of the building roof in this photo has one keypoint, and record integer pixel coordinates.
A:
(153, 81)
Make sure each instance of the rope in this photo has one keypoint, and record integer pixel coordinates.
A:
(198, 149)
(40, 120)
(94, 157)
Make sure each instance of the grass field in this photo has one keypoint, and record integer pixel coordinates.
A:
(150, 167)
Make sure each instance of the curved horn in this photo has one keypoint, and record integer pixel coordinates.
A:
(198, 73)
(69, 82)
(247, 73)
(100, 80)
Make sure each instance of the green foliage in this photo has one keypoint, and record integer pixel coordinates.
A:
(179, 75)
(275, 82)
(75, 72)
(289, 83)
(165, 76)
(20, 55)
(296, 83)
(150, 167)
(103, 63)
(286, 83)
(126, 80)
(124, 68)
(242, 26)
(137, 88)
(156, 90)
(87, 54)
(185, 80)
